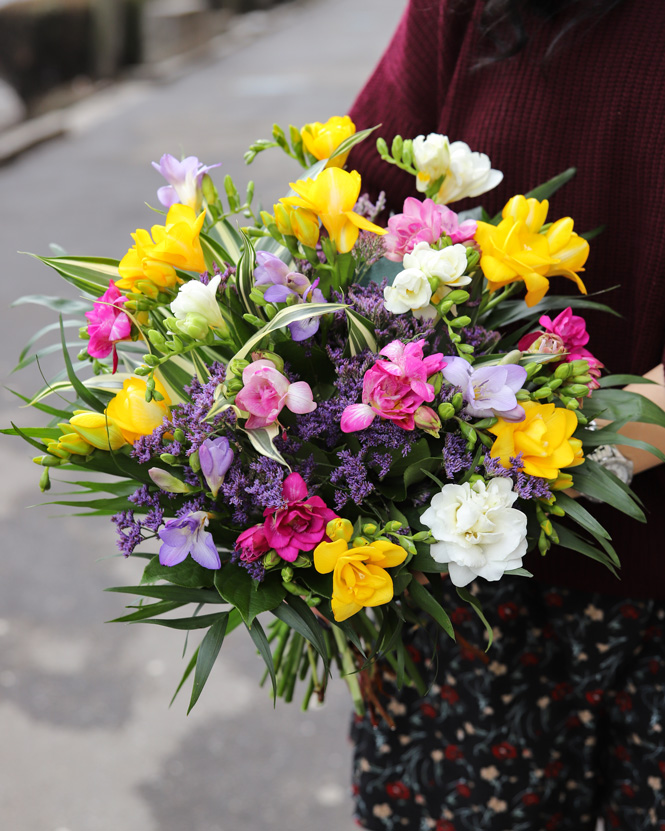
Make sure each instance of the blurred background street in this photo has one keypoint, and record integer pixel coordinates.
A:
(89, 742)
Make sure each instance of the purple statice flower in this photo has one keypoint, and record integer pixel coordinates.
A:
(483, 340)
(456, 457)
(283, 285)
(255, 568)
(352, 471)
(524, 485)
(215, 456)
(129, 531)
(382, 463)
(368, 301)
(370, 210)
(184, 180)
(368, 249)
(488, 391)
(186, 535)
(249, 489)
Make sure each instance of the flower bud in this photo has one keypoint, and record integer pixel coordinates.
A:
(168, 458)
(359, 542)
(563, 371)
(543, 392)
(436, 381)
(194, 326)
(234, 385)
(47, 461)
(167, 482)
(194, 462)
(426, 419)
(458, 296)
(305, 225)
(512, 357)
(97, 429)
(339, 529)
(236, 367)
(282, 219)
(157, 339)
(393, 526)
(45, 480)
(460, 322)
(272, 559)
(446, 411)
(370, 529)
(83, 333)
(457, 401)
(215, 458)
(287, 574)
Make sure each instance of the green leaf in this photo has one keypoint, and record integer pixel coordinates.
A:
(83, 392)
(422, 598)
(261, 642)
(44, 408)
(297, 614)
(188, 574)
(262, 440)
(381, 270)
(245, 277)
(178, 594)
(594, 480)
(187, 624)
(250, 598)
(320, 584)
(148, 611)
(518, 572)
(62, 305)
(351, 141)
(620, 405)
(423, 561)
(467, 597)
(512, 311)
(579, 514)
(568, 539)
(208, 652)
(186, 674)
(89, 274)
(622, 380)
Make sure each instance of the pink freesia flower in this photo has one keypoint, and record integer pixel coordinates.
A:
(423, 222)
(568, 331)
(300, 524)
(266, 392)
(108, 324)
(252, 544)
(394, 389)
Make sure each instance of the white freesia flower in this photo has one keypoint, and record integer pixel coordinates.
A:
(432, 158)
(447, 265)
(478, 533)
(196, 298)
(410, 291)
(468, 174)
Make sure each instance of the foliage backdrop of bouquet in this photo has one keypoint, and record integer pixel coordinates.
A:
(313, 411)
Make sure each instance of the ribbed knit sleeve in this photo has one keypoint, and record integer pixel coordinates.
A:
(405, 92)
(596, 104)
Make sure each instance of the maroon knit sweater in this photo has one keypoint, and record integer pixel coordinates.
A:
(598, 104)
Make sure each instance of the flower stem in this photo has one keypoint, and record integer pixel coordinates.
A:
(349, 671)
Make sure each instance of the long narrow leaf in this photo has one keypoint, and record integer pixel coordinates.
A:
(83, 392)
(261, 643)
(429, 604)
(208, 652)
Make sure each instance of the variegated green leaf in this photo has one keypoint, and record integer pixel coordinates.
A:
(361, 333)
(291, 314)
(351, 141)
(245, 278)
(89, 274)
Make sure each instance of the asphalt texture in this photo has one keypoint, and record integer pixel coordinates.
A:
(88, 740)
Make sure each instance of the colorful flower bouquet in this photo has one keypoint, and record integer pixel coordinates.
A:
(310, 421)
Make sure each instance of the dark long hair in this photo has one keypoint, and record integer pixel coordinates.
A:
(503, 23)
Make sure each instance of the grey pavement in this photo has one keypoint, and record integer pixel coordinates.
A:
(88, 740)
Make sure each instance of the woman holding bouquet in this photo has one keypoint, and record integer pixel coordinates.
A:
(561, 722)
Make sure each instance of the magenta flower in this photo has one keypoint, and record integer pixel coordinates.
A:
(215, 457)
(252, 544)
(108, 324)
(488, 391)
(266, 392)
(300, 524)
(423, 222)
(186, 535)
(570, 332)
(184, 180)
(394, 389)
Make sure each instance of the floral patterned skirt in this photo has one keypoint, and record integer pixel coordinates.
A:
(560, 723)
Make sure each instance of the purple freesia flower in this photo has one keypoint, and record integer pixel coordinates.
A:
(215, 456)
(283, 284)
(186, 535)
(184, 180)
(488, 391)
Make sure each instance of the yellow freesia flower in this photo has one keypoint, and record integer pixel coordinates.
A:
(332, 197)
(97, 429)
(515, 250)
(132, 414)
(359, 574)
(173, 245)
(323, 139)
(544, 439)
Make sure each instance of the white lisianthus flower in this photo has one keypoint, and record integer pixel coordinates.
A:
(478, 533)
(195, 298)
(469, 174)
(432, 158)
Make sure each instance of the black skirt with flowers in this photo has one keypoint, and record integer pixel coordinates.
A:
(560, 723)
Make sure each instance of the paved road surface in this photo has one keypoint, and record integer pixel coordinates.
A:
(88, 741)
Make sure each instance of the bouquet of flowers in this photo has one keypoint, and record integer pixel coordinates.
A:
(304, 422)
